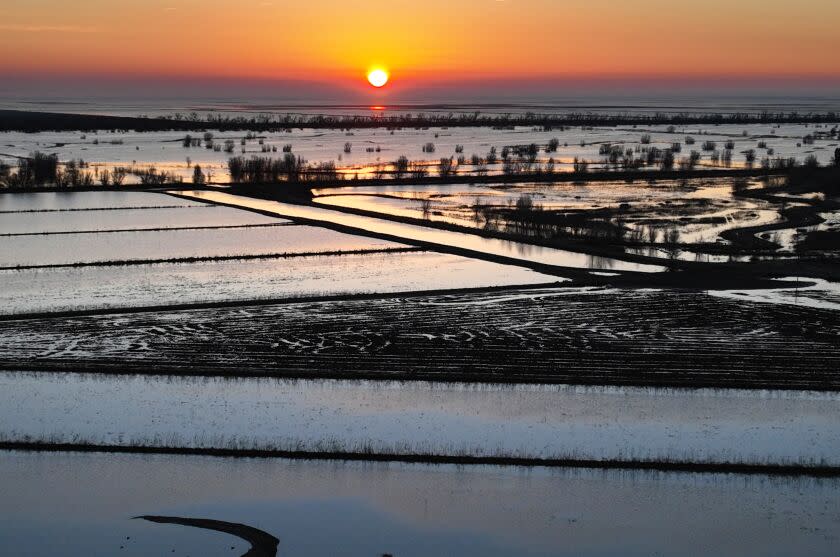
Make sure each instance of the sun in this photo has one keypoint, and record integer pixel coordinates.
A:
(378, 77)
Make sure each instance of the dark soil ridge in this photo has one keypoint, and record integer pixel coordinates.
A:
(211, 259)
(816, 470)
(87, 209)
(262, 543)
(647, 375)
(153, 229)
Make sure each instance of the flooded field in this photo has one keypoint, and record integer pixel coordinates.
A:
(67, 249)
(593, 372)
(698, 209)
(375, 149)
(489, 278)
(83, 504)
(64, 289)
(814, 293)
(108, 231)
(128, 219)
(435, 237)
(66, 201)
(560, 422)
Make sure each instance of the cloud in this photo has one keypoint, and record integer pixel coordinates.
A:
(23, 28)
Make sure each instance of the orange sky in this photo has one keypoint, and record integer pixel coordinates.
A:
(420, 40)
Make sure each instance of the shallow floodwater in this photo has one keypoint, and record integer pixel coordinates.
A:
(699, 209)
(375, 148)
(67, 249)
(408, 232)
(814, 293)
(128, 219)
(78, 200)
(82, 504)
(68, 288)
(419, 417)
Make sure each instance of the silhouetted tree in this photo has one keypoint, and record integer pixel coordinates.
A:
(401, 166)
(198, 176)
(445, 166)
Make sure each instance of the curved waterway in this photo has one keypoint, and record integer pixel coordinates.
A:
(427, 236)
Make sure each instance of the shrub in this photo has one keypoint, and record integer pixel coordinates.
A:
(38, 169)
(667, 160)
(198, 176)
(553, 144)
(401, 166)
(532, 151)
(118, 176)
(417, 169)
(811, 162)
(445, 168)
(266, 169)
(693, 159)
(524, 203)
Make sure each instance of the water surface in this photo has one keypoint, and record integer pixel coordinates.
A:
(409, 232)
(541, 421)
(81, 504)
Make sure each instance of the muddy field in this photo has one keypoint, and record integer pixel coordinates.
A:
(558, 335)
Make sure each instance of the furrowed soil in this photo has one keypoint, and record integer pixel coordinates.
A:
(552, 335)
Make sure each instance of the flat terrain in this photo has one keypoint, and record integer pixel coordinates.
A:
(556, 335)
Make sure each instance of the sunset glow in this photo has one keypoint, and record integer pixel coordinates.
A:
(667, 41)
(378, 78)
